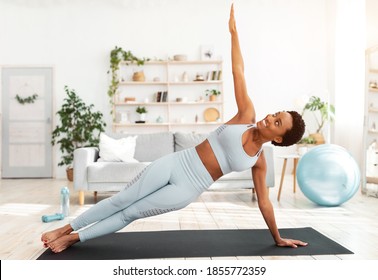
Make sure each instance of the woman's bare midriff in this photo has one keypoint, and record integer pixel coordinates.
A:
(207, 156)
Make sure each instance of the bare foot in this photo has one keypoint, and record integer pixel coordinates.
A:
(50, 236)
(63, 242)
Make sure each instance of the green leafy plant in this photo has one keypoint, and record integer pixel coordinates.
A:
(322, 111)
(26, 100)
(213, 92)
(141, 110)
(79, 126)
(116, 56)
(307, 140)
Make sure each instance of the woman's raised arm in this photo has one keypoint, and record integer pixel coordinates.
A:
(246, 111)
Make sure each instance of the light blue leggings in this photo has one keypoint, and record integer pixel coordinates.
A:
(167, 184)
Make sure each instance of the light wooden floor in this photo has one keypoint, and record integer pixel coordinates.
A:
(353, 225)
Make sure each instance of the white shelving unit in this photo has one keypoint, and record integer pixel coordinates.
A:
(370, 168)
(180, 80)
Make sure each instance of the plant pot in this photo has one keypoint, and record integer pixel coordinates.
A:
(319, 138)
(142, 117)
(213, 98)
(69, 172)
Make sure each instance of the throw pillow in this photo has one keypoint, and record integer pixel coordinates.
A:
(188, 140)
(117, 149)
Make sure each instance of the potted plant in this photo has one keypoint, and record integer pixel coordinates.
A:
(116, 56)
(212, 93)
(79, 126)
(142, 111)
(309, 140)
(322, 112)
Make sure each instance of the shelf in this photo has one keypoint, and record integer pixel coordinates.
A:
(141, 103)
(131, 83)
(370, 179)
(151, 62)
(197, 103)
(196, 83)
(165, 124)
(168, 103)
(194, 92)
(194, 62)
(173, 62)
(198, 123)
(370, 135)
(139, 124)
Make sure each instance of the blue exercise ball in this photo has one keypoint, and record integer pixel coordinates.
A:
(328, 175)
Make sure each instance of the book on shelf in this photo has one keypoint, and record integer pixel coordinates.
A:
(162, 96)
(214, 75)
(158, 96)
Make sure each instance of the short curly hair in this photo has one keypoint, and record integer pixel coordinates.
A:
(293, 135)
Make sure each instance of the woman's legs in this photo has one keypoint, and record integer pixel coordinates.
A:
(153, 177)
(169, 198)
(168, 184)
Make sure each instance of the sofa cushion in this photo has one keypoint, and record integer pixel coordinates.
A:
(113, 172)
(152, 146)
(188, 140)
(122, 149)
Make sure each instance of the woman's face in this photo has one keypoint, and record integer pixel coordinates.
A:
(274, 126)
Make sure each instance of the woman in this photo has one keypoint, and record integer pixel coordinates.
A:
(173, 181)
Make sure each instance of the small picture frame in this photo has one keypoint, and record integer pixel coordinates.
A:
(207, 52)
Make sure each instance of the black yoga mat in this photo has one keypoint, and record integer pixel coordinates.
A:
(196, 243)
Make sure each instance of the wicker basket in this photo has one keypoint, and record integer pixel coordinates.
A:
(69, 171)
(139, 76)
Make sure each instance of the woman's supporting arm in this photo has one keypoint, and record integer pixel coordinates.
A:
(266, 207)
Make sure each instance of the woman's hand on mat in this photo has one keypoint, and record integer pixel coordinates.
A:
(283, 242)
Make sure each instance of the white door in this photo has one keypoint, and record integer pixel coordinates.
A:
(26, 122)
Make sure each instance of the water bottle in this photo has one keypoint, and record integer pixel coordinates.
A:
(65, 201)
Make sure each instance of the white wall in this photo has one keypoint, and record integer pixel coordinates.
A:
(286, 43)
(349, 75)
(371, 23)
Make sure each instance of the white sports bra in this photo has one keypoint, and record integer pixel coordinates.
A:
(226, 142)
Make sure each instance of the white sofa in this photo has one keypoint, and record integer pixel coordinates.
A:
(93, 175)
